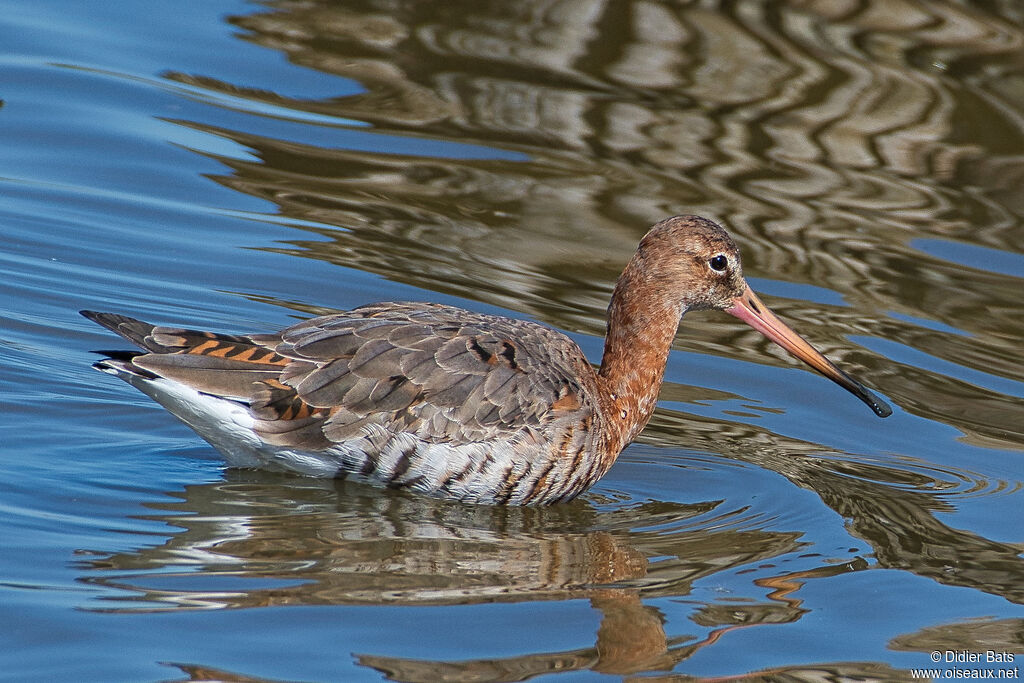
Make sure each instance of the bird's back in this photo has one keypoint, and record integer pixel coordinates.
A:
(431, 397)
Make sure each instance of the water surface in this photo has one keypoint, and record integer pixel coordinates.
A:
(237, 166)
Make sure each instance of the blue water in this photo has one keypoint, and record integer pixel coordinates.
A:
(236, 166)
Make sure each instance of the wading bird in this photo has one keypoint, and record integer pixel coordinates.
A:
(437, 399)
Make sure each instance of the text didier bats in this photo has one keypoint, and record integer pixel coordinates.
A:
(989, 656)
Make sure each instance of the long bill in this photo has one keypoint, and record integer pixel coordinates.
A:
(749, 308)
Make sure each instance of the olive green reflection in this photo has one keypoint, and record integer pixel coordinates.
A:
(830, 137)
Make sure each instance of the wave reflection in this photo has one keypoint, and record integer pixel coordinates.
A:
(830, 160)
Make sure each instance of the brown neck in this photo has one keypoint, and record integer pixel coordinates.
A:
(642, 322)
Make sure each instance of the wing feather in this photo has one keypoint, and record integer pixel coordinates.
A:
(220, 376)
(450, 374)
(443, 373)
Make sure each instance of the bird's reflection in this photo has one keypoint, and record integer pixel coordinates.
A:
(350, 544)
(258, 539)
(867, 672)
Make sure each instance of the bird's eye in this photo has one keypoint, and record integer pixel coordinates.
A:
(719, 263)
